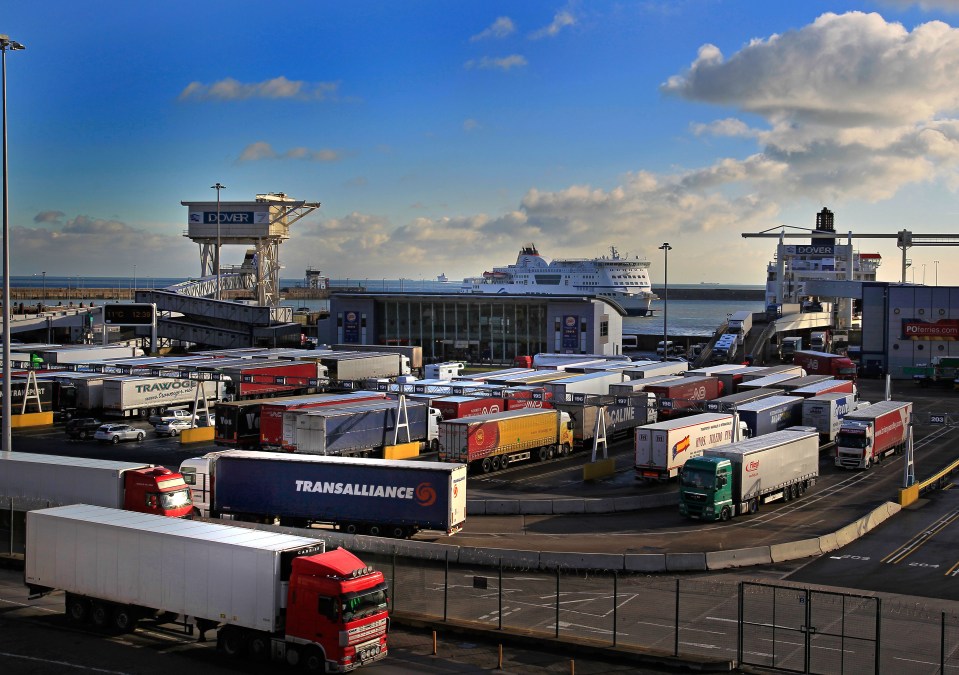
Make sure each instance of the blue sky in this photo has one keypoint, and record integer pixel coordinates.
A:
(441, 136)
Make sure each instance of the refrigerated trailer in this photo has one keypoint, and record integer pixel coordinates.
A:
(370, 496)
(733, 479)
(274, 596)
(663, 448)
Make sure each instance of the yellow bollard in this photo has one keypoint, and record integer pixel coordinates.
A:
(434, 643)
(572, 667)
(499, 665)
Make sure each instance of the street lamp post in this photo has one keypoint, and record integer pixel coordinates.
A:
(665, 248)
(924, 274)
(43, 286)
(936, 263)
(6, 443)
(134, 282)
(216, 260)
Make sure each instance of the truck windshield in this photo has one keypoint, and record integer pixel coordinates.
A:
(696, 478)
(175, 500)
(851, 440)
(361, 604)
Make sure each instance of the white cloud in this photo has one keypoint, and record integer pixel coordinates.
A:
(502, 27)
(470, 125)
(262, 150)
(561, 20)
(925, 5)
(492, 63)
(730, 126)
(277, 88)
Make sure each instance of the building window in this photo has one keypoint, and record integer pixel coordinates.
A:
(604, 329)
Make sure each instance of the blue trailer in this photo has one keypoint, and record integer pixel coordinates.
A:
(371, 496)
(774, 413)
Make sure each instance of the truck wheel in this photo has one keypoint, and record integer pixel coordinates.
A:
(543, 454)
(504, 461)
(551, 452)
(724, 515)
(124, 620)
(230, 641)
(399, 532)
(754, 505)
(313, 661)
(350, 528)
(78, 610)
(374, 530)
(435, 445)
(495, 464)
(100, 615)
(486, 465)
(567, 449)
(259, 647)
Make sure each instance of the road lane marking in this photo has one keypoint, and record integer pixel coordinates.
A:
(920, 539)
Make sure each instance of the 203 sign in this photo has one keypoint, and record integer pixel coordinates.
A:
(130, 314)
(937, 418)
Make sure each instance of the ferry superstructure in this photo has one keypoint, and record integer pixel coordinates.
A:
(618, 277)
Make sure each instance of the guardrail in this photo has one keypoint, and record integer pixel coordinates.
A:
(910, 495)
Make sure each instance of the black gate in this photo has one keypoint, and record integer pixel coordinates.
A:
(804, 631)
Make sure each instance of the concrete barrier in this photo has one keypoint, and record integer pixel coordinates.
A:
(738, 557)
(535, 507)
(685, 562)
(549, 560)
(476, 507)
(502, 507)
(645, 562)
(909, 495)
(569, 506)
(491, 557)
(849, 533)
(795, 550)
(828, 543)
(401, 451)
(197, 435)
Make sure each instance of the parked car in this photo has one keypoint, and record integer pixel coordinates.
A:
(114, 433)
(179, 414)
(82, 427)
(172, 427)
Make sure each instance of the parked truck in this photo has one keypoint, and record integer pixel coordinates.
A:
(770, 414)
(378, 497)
(144, 396)
(824, 387)
(734, 479)
(272, 412)
(823, 363)
(492, 442)
(662, 448)
(675, 396)
(622, 415)
(596, 384)
(942, 370)
(354, 367)
(731, 402)
(361, 429)
(30, 481)
(825, 413)
(275, 596)
(788, 347)
(867, 436)
(725, 349)
(454, 407)
(740, 323)
(820, 341)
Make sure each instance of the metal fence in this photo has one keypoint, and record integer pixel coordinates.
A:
(783, 627)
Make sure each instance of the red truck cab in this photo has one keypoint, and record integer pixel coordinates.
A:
(156, 490)
(350, 628)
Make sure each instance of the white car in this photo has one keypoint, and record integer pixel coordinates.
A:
(171, 427)
(114, 433)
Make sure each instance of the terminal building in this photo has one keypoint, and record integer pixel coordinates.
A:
(905, 325)
(476, 327)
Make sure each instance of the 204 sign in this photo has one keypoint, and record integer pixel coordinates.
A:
(130, 314)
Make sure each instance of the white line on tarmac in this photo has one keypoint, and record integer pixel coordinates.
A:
(75, 666)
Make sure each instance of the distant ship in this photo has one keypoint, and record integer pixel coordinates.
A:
(442, 278)
(616, 277)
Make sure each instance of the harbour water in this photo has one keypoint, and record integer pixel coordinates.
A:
(685, 317)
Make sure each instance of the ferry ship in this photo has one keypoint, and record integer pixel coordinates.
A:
(617, 277)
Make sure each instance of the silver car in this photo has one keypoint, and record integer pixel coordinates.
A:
(114, 433)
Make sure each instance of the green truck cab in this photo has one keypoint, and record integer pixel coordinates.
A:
(705, 489)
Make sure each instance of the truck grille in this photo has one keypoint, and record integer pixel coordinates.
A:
(693, 497)
(364, 633)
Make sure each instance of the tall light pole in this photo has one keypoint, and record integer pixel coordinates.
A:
(924, 274)
(936, 263)
(134, 282)
(7, 410)
(43, 286)
(665, 248)
(216, 260)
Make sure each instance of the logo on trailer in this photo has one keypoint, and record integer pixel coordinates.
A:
(426, 494)
(753, 466)
(570, 321)
(351, 316)
(682, 446)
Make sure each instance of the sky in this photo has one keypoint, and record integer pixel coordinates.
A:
(440, 137)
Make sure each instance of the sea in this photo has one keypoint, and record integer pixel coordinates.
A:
(684, 317)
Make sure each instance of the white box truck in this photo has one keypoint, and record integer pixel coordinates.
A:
(662, 448)
(144, 396)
